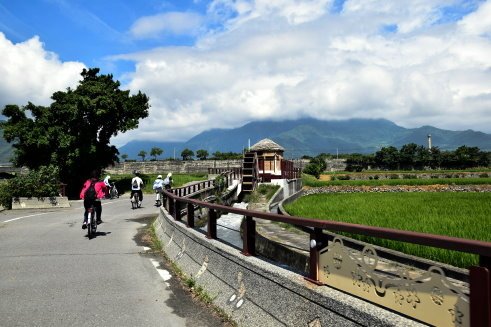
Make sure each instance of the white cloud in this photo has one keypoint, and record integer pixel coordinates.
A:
(286, 59)
(30, 73)
(479, 22)
(178, 23)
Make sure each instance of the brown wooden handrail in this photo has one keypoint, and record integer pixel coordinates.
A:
(439, 241)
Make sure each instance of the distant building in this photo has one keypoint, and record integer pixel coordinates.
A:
(271, 164)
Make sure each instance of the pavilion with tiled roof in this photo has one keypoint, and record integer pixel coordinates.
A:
(270, 156)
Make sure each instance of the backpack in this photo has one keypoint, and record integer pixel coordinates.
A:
(90, 193)
(135, 184)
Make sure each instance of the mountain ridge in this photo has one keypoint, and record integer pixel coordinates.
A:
(309, 136)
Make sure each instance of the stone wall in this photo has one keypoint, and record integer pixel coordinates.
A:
(174, 166)
(200, 166)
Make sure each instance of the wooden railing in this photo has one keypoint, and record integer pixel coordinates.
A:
(479, 276)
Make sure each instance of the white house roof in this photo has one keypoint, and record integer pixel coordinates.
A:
(266, 145)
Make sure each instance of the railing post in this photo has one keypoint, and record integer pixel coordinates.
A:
(190, 215)
(177, 210)
(480, 293)
(315, 247)
(212, 224)
(249, 241)
(171, 207)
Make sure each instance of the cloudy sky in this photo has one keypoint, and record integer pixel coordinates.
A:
(223, 63)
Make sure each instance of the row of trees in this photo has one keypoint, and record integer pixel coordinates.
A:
(188, 154)
(408, 157)
(412, 156)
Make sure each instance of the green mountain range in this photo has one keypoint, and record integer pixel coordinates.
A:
(311, 136)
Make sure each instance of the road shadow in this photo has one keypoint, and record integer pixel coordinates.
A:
(99, 234)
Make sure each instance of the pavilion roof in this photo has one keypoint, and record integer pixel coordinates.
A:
(266, 145)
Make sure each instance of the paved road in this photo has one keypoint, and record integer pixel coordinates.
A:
(51, 274)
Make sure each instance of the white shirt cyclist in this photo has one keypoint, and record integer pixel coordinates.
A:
(136, 186)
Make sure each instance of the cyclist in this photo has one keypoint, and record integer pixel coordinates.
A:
(92, 192)
(136, 185)
(158, 186)
(168, 181)
(108, 185)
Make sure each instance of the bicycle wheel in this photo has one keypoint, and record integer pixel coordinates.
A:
(90, 232)
(134, 201)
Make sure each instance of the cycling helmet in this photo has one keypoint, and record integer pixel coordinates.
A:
(159, 176)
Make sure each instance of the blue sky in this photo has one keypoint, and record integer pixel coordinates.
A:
(223, 63)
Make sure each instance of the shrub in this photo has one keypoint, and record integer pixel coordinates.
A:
(484, 175)
(37, 183)
(5, 196)
(394, 176)
(313, 169)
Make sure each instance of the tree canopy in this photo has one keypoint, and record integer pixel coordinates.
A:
(73, 133)
(142, 154)
(202, 154)
(155, 152)
(187, 154)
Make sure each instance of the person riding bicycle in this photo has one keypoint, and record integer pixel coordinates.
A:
(92, 192)
(158, 186)
(136, 185)
(168, 181)
(108, 185)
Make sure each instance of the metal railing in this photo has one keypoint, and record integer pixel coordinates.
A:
(479, 276)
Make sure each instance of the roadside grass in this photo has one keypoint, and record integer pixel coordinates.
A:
(264, 192)
(463, 215)
(189, 281)
(309, 180)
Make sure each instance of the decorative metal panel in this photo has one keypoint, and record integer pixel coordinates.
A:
(428, 296)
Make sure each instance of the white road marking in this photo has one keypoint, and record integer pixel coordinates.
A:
(162, 272)
(38, 214)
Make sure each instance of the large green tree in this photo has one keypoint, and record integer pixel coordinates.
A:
(142, 154)
(73, 133)
(202, 154)
(187, 154)
(156, 151)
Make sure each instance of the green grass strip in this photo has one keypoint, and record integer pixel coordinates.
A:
(464, 215)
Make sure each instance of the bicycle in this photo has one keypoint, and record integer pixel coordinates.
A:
(158, 198)
(113, 192)
(91, 222)
(135, 201)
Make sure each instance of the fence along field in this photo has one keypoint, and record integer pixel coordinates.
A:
(458, 214)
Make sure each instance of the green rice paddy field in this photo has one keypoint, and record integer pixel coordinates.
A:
(464, 215)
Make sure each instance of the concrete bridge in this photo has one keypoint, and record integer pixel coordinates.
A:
(344, 283)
